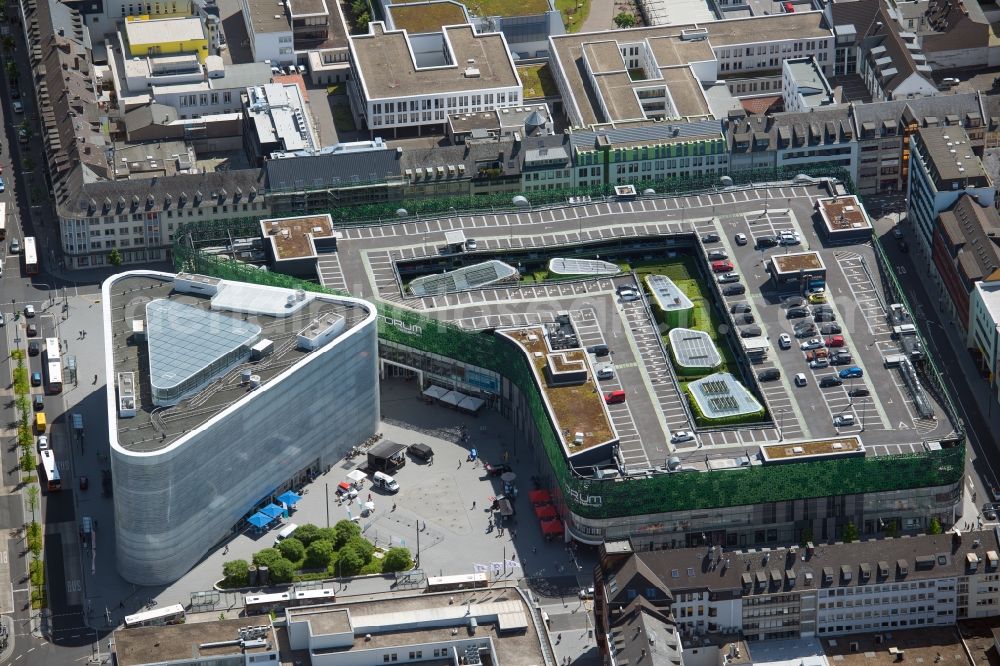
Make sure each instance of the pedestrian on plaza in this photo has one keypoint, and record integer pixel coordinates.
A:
(460, 463)
(534, 549)
(473, 505)
(95, 380)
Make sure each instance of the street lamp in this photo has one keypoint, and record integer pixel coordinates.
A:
(781, 424)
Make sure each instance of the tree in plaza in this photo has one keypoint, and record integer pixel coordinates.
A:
(934, 527)
(349, 562)
(236, 573)
(115, 257)
(346, 530)
(307, 534)
(281, 571)
(319, 554)
(292, 549)
(266, 557)
(363, 546)
(396, 559)
(327, 534)
(625, 20)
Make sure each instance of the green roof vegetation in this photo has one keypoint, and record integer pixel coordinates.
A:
(426, 18)
(537, 81)
(501, 7)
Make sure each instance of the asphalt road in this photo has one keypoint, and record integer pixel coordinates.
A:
(23, 168)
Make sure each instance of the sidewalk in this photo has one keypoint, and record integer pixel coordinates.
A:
(600, 17)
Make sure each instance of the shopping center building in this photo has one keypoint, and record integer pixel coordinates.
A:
(766, 488)
(223, 395)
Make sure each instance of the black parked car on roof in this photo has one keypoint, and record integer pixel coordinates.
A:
(768, 375)
(796, 313)
(734, 290)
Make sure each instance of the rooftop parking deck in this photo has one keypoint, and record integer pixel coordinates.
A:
(884, 416)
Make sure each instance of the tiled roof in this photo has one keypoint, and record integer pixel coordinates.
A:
(973, 232)
(858, 13)
(907, 558)
(760, 105)
(957, 24)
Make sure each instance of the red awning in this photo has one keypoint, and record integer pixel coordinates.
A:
(545, 511)
(552, 527)
(539, 496)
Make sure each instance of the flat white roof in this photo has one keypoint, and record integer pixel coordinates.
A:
(153, 31)
(676, 12)
(794, 652)
(989, 292)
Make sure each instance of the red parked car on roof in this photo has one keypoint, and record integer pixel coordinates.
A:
(723, 266)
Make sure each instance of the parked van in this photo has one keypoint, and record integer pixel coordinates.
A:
(893, 360)
(615, 397)
(286, 531)
(385, 482)
(40, 423)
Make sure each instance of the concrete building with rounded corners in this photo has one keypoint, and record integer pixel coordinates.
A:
(221, 396)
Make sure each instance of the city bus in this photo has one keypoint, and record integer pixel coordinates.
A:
(50, 470)
(52, 352)
(30, 255)
(3, 220)
(53, 377)
(157, 617)
(456, 582)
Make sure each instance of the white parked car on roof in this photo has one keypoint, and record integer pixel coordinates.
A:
(815, 343)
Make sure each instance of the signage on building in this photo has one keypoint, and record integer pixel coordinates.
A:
(586, 500)
(399, 324)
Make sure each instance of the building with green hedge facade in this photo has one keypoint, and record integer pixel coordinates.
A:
(753, 504)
